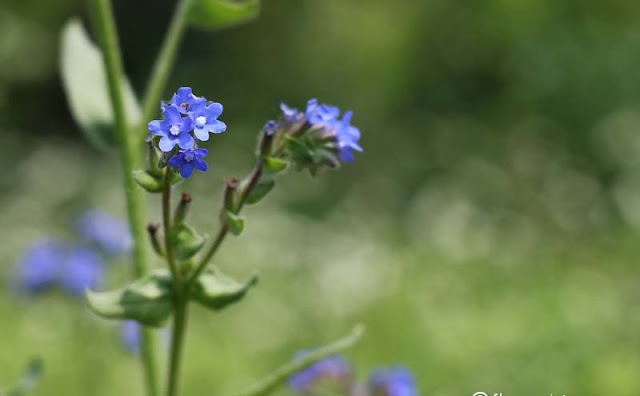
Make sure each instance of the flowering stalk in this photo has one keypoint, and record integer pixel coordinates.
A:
(106, 33)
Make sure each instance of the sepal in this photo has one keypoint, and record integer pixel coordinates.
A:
(216, 291)
(264, 186)
(234, 222)
(148, 300)
(187, 241)
(274, 165)
(148, 180)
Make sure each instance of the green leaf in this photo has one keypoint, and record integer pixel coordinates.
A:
(148, 300)
(29, 379)
(234, 222)
(220, 14)
(274, 165)
(263, 188)
(85, 85)
(187, 241)
(215, 290)
(147, 180)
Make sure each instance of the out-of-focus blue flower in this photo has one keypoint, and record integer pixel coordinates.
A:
(82, 269)
(205, 119)
(189, 159)
(40, 266)
(332, 372)
(290, 114)
(321, 114)
(174, 129)
(348, 137)
(396, 381)
(184, 99)
(130, 336)
(107, 232)
(271, 127)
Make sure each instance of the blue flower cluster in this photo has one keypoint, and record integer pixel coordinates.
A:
(334, 375)
(50, 263)
(327, 118)
(184, 114)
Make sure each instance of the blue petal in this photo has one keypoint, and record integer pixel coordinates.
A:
(200, 152)
(155, 127)
(200, 165)
(216, 126)
(201, 133)
(213, 110)
(185, 141)
(167, 144)
(186, 170)
(176, 160)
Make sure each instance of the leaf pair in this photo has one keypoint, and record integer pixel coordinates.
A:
(150, 300)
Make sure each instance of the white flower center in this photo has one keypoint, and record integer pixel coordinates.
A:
(174, 130)
(188, 156)
(201, 121)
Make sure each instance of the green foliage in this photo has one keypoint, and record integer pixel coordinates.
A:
(187, 241)
(220, 14)
(274, 165)
(85, 85)
(148, 180)
(216, 291)
(235, 222)
(29, 379)
(148, 300)
(264, 186)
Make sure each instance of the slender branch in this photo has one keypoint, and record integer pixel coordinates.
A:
(168, 227)
(247, 186)
(271, 382)
(104, 24)
(165, 59)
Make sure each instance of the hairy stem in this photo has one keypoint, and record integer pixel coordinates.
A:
(165, 60)
(248, 185)
(271, 382)
(168, 228)
(177, 342)
(105, 30)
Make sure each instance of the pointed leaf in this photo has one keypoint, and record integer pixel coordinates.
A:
(220, 14)
(275, 165)
(187, 241)
(148, 300)
(234, 222)
(85, 85)
(263, 188)
(215, 290)
(147, 180)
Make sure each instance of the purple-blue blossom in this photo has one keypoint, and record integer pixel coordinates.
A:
(396, 381)
(321, 114)
(187, 160)
(348, 137)
(130, 336)
(271, 127)
(290, 114)
(107, 232)
(82, 269)
(173, 129)
(205, 119)
(333, 370)
(39, 268)
(184, 99)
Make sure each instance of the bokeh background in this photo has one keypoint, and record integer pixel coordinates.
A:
(487, 236)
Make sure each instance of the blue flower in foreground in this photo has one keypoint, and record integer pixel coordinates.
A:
(130, 336)
(205, 119)
(174, 129)
(290, 114)
(186, 160)
(82, 269)
(107, 232)
(184, 99)
(333, 370)
(348, 137)
(396, 381)
(40, 266)
(321, 114)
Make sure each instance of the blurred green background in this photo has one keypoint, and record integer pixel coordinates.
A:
(487, 236)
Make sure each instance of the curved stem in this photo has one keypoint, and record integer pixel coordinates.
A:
(271, 382)
(248, 185)
(105, 30)
(165, 59)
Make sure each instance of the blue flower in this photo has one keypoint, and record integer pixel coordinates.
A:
(348, 137)
(107, 232)
(333, 370)
(82, 269)
(271, 127)
(184, 99)
(189, 159)
(130, 336)
(321, 114)
(205, 119)
(397, 381)
(40, 266)
(174, 129)
(290, 114)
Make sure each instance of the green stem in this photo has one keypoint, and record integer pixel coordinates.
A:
(271, 382)
(248, 185)
(165, 60)
(168, 227)
(177, 342)
(130, 156)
